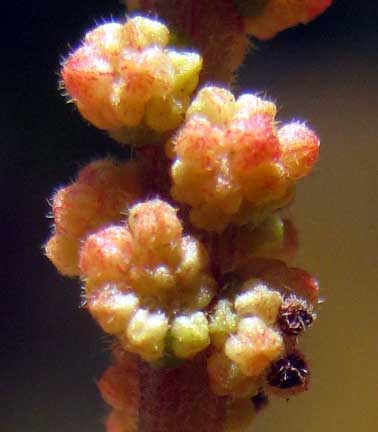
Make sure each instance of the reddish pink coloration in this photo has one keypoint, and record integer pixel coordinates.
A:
(199, 144)
(145, 75)
(177, 400)
(279, 276)
(119, 386)
(84, 72)
(154, 223)
(117, 421)
(74, 207)
(227, 159)
(117, 185)
(106, 254)
(88, 79)
(103, 191)
(252, 142)
(317, 7)
(148, 282)
(278, 15)
(299, 148)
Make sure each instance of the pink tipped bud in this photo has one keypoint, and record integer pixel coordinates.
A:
(154, 223)
(105, 255)
(74, 207)
(253, 142)
(299, 149)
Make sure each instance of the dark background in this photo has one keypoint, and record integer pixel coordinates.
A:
(52, 352)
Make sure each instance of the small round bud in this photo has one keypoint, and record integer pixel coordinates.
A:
(63, 252)
(256, 299)
(299, 149)
(112, 307)
(106, 254)
(190, 335)
(146, 333)
(226, 378)
(254, 346)
(154, 224)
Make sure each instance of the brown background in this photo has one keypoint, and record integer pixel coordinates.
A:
(51, 352)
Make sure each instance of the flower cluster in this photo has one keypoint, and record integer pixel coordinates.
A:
(181, 251)
(231, 164)
(255, 325)
(146, 282)
(126, 75)
(102, 192)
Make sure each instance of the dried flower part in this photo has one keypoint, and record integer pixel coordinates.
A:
(126, 75)
(295, 315)
(215, 28)
(102, 192)
(254, 346)
(289, 375)
(229, 163)
(277, 15)
(146, 281)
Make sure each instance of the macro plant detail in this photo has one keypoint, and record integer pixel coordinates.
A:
(181, 250)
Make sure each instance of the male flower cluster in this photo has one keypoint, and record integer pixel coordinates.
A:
(102, 192)
(181, 250)
(147, 283)
(125, 75)
(231, 162)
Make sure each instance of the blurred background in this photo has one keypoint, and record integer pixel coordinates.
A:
(52, 352)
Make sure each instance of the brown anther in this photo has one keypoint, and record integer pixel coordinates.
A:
(295, 316)
(289, 373)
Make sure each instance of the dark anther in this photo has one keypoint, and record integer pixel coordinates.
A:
(295, 316)
(289, 372)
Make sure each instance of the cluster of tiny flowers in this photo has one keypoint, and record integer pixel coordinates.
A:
(231, 163)
(102, 192)
(125, 75)
(181, 251)
(146, 282)
(255, 325)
